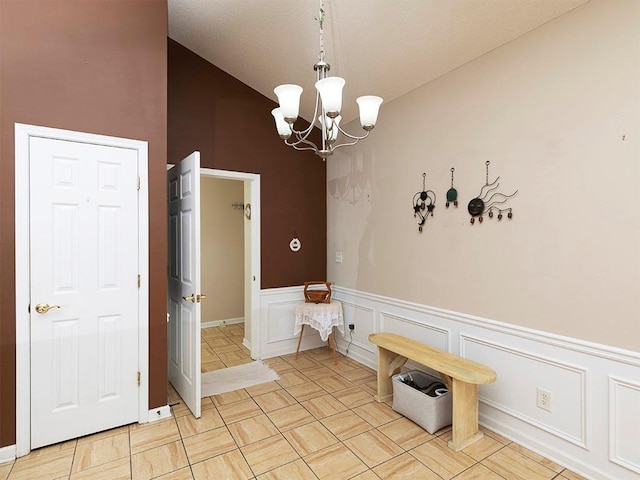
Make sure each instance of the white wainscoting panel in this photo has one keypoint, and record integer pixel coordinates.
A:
(356, 341)
(281, 321)
(277, 323)
(430, 334)
(593, 427)
(625, 427)
(516, 393)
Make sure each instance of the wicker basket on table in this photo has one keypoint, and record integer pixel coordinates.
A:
(314, 293)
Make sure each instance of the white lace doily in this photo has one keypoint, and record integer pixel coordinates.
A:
(321, 317)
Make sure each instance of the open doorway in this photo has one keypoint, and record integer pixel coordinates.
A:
(249, 216)
(222, 217)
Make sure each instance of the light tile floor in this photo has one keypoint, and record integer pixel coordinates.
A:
(319, 421)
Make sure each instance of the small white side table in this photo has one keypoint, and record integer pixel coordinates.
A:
(321, 317)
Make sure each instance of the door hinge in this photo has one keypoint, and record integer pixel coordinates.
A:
(138, 183)
(138, 378)
(138, 280)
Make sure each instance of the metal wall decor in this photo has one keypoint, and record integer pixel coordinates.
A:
(485, 203)
(295, 244)
(423, 203)
(452, 193)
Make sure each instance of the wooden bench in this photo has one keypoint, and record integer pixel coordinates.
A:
(461, 376)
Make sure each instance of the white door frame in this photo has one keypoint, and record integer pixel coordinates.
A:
(254, 245)
(23, 347)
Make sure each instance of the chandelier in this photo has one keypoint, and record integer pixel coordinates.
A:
(327, 110)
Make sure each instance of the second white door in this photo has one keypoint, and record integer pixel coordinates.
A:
(185, 281)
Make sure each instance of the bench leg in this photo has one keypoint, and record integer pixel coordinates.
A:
(389, 363)
(465, 415)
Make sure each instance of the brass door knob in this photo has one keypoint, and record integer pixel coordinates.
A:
(45, 307)
(190, 298)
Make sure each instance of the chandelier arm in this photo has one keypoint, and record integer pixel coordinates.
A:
(306, 142)
(300, 136)
(353, 137)
(356, 140)
(313, 148)
(303, 134)
(298, 142)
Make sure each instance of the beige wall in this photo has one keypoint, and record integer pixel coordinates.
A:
(222, 247)
(557, 112)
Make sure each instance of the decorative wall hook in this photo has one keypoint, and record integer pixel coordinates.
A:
(452, 193)
(295, 243)
(481, 204)
(423, 203)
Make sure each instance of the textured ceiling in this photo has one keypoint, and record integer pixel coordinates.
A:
(380, 47)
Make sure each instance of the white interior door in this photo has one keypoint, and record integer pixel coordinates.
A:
(83, 217)
(184, 280)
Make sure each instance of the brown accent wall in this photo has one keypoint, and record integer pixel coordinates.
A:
(98, 67)
(232, 127)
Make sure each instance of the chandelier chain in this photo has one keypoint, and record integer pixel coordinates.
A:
(320, 19)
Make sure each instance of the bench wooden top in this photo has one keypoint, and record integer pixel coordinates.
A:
(444, 362)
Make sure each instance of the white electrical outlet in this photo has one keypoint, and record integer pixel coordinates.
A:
(338, 257)
(543, 399)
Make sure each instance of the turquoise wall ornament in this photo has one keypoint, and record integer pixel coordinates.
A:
(452, 193)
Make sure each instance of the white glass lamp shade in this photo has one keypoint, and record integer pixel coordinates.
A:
(284, 129)
(330, 90)
(330, 127)
(369, 106)
(289, 100)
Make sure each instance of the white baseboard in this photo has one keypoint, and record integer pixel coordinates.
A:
(221, 323)
(584, 469)
(7, 454)
(159, 413)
